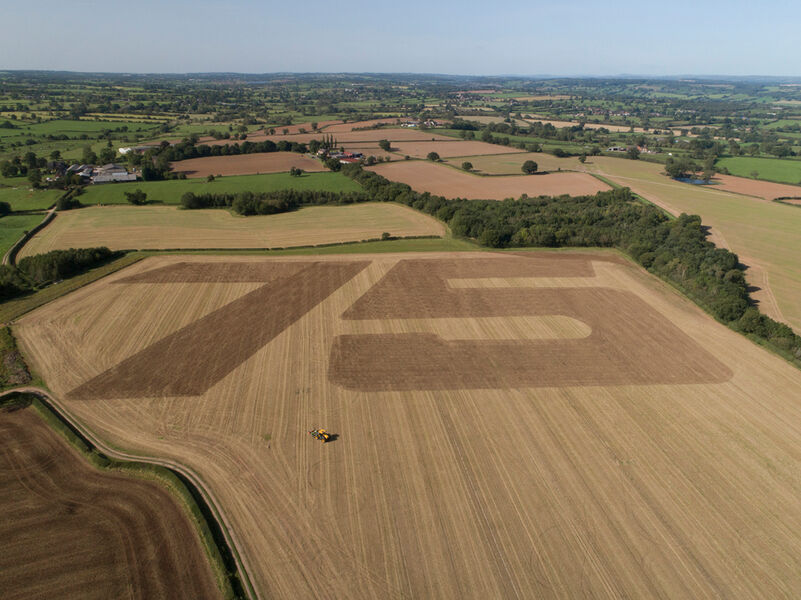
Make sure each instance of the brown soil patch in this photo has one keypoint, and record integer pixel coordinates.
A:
(425, 176)
(752, 187)
(247, 324)
(247, 164)
(419, 290)
(71, 531)
(450, 149)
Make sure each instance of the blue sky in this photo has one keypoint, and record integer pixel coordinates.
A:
(481, 37)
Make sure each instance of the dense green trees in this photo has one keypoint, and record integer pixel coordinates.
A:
(41, 269)
(137, 197)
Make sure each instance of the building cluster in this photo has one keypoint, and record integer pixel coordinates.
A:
(429, 123)
(343, 157)
(110, 173)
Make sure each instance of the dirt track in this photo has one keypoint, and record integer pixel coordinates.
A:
(647, 490)
(72, 531)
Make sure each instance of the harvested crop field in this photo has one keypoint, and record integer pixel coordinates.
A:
(766, 190)
(72, 531)
(511, 164)
(765, 235)
(578, 428)
(425, 176)
(449, 149)
(246, 164)
(161, 227)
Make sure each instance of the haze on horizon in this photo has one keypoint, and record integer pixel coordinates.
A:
(525, 37)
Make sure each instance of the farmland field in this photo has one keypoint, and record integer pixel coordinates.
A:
(246, 164)
(23, 197)
(510, 164)
(425, 176)
(154, 227)
(550, 425)
(12, 228)
(766, 235)
(170, 191)
(449, 149)
(766, 190)
(72, 531)
(773, 169)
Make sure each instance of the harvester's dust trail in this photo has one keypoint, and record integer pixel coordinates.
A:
(631, 445)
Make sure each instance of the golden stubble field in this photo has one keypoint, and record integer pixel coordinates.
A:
(549, 425)
(160, 227)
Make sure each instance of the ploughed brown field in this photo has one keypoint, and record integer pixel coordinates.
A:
(69, 530)
(426, 176)
(450, 149)
(766, 190)
(246, 164)
(531, 425)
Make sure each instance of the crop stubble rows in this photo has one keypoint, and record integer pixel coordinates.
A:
(557, 491)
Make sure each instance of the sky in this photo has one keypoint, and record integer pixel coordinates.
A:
(466, 37)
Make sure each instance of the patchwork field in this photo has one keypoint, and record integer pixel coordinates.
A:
(766, 235)
(247, 164)
(160, 227)
(449, 149)
(550, 425)
(510, 164)
(72, 531)
(425, 176)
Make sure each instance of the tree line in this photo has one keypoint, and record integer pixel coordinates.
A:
(41, 269)
(269, 203)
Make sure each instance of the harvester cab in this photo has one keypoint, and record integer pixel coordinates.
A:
(320, 434)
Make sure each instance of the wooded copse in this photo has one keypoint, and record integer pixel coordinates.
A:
(41, 269)
(269, 203)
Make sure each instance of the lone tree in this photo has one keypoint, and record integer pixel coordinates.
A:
(384, 145)
(137, 198)
(529, 167)
(633, 153)
(467, 166)
(295, 172)
(433, 156)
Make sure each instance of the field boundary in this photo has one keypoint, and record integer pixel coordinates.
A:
(218, 540)
(11, 255)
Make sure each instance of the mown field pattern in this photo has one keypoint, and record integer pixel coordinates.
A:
(664, 483)
(160, 227)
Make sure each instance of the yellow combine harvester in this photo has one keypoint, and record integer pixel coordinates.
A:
(320, 434)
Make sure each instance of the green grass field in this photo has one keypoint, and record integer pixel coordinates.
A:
(12, 228)
(170, 192)
(22, 198)
(770, 169)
